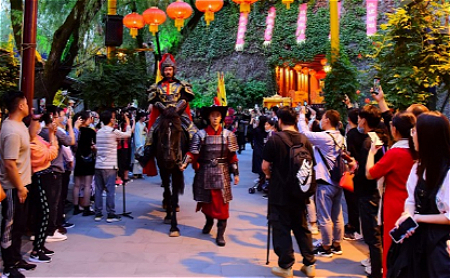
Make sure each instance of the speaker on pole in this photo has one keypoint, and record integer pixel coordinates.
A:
(114, 30)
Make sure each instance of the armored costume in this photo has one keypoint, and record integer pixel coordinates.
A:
(213, 154)
(170, 94)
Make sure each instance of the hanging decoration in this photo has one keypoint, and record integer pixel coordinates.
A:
(371, 19)
(244, 5)
(270, 22)
(154, 17)
(287, 3)
(179, 11)
(301, 23)
(242, 28)
(209, 7)
(134, 22)
(339, 16)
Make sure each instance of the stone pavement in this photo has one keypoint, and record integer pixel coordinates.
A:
(141, 247)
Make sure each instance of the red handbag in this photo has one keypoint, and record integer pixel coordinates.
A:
(346, 181)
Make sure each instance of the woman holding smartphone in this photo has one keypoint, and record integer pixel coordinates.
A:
(395, 167)
(423, 253)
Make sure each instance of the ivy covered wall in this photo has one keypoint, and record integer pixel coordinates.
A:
(209, 50)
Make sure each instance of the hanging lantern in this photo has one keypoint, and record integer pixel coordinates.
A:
(324, 62)
(133, 21)
(270, 22)
(287, 3)
(209, 7)
(154, 17)
(298, 67)
(242, 28)
(321, 74)
(305, 71)
(179, 11)
(244, 5)
(312, 72)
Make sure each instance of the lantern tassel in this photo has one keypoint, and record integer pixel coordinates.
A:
(209, 16)
(153, 29)
(179, 23)
(133, 32)
(245, 8)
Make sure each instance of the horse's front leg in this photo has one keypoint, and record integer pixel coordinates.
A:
(177, 184)
(165, 179)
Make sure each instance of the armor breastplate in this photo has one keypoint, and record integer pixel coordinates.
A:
(214, 147)
(169, 95)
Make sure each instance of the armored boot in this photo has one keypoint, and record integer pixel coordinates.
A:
(208, 226)
(221, 226)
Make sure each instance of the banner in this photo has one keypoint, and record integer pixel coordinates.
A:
(221, 92)
(339, 16)
(371, 19)
(270, 23)
(301, 23)
(242, 28)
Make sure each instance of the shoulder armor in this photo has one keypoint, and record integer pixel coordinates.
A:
(188, 89)
(196, 141)
(152, 92)
(232, 140)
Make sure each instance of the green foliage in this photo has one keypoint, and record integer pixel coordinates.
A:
(412, 53)
(115, 83)
(239, 91)
(341, 81)
(9, 71)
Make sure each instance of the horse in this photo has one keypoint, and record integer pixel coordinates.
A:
(171, 146)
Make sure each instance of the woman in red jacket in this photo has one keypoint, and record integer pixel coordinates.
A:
(395, 167)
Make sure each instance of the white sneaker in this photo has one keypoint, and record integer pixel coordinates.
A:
(57, 236)
(366, 262)
(368, 270)
(358, 236)
(313, 228)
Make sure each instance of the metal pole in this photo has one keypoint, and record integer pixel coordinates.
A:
(29, 51)
(112, 10)
(334, 26)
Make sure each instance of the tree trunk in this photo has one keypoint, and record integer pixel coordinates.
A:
(65, 46)
(16, 20)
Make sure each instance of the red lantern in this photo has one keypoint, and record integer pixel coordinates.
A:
(179, 11)
(209, 7)
(134, 21)
(312, 73)
(321, 74)
(324, 61)
(154, 17)
(305, 71)
(244, 5)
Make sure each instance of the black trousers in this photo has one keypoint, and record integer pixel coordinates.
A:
(283, 219)
(53, 190)
(14, 219)
(353, 224)
(241, 139)
(368, 211)
(62, 200)
(39, 209)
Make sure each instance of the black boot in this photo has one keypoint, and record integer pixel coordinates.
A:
(88, 212)
(77, 210)
(221, 226)
(208, 226)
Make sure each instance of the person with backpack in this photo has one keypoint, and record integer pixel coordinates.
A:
(290, 189)
(329, 146)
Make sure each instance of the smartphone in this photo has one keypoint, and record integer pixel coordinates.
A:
(305, 103)
(397, 234)
(376, 86)
(375, 139)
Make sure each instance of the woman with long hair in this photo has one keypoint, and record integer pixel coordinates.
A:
(84, 166)
(395, 167)
(424, 251)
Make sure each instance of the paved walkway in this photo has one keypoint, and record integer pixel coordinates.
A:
(141, 247)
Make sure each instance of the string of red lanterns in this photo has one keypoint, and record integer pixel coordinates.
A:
(178, 11)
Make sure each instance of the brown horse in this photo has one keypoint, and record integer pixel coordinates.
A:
(172, 145)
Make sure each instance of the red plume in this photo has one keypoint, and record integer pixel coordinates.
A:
(216, 101)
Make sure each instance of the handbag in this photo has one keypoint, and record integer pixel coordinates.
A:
(2, 194)
(89, 158)
(346, 181)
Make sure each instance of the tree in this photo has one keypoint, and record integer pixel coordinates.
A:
(411, 53)
(115, 82)
(9, 71)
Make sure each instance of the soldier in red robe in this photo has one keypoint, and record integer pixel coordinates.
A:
(213, 154)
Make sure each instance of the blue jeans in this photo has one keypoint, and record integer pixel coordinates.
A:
(329, 213)
(105, 179)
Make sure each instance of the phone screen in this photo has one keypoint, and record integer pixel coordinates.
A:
(375, 139)
(397, 234)
(305, 103)
(376, 85)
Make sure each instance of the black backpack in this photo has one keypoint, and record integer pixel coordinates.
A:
(301, 167)
(339, 166)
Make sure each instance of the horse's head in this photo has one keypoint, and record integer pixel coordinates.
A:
(169, 150)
